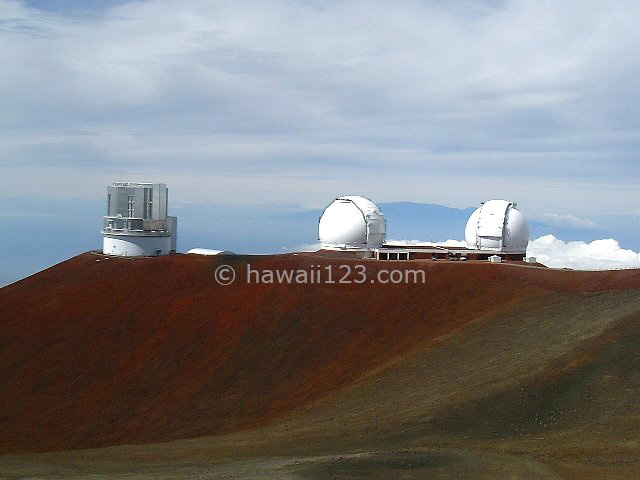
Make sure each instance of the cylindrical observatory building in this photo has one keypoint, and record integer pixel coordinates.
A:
(136, 223)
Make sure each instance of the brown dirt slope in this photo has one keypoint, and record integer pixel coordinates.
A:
(99, 351)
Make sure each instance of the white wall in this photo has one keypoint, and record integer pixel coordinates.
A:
(134, 246)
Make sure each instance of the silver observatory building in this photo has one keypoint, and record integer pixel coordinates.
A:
(137, 223)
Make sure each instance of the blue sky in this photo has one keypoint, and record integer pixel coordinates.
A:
(289, 104)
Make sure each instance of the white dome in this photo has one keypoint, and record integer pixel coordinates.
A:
(351, 222)
(498, 226)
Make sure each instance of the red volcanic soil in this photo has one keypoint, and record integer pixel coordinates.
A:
(101, 351)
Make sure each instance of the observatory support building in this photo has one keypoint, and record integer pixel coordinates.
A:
(495, 231)
(136, 223)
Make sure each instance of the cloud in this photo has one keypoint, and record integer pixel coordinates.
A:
(596, 255)
(563, 220)
(292, 100)
(555, 253)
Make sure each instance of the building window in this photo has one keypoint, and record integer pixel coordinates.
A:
(130, 205)
(135, 224)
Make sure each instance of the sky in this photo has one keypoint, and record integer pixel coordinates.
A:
(286, 105)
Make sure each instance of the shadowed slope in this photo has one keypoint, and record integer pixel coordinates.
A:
(545, 388)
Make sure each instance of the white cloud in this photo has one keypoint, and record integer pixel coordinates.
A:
(555, 253)
(596, 255)
(563, 220)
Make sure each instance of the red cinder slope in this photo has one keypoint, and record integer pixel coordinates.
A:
(101, 351)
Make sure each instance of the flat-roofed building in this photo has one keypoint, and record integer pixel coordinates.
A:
(137, 223)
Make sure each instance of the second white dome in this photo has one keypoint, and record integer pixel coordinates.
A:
(497, 225)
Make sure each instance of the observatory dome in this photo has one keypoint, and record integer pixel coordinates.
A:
(497, 225)
(351, 222)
